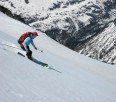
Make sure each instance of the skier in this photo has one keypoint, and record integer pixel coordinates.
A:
(25, 40)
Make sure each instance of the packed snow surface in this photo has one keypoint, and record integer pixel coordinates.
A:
(21, 80)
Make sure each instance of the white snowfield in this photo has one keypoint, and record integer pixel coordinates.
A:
(21, 80)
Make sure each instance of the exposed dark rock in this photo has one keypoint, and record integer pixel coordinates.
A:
(26, 1)
(9, 13)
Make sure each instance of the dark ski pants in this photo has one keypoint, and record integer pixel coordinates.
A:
(29, 53)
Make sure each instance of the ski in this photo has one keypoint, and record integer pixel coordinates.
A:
(45, 65)
(21, 54)
(41, 63)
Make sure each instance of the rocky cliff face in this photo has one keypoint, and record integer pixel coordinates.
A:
(102, 46)
(80, 25)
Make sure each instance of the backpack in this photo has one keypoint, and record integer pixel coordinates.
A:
(23, 37)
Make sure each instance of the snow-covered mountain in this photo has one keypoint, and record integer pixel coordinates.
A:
(74, 23)
(21, 80)
(102, 46)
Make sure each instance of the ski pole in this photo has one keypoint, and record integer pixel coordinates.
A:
(10, 46)
(40, 50)
(16, 47)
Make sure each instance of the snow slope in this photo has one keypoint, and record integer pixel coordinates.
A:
(82, 79)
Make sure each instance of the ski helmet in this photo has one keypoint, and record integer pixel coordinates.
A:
(34, 34)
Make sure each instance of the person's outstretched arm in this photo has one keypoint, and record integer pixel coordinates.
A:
(33, 45)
